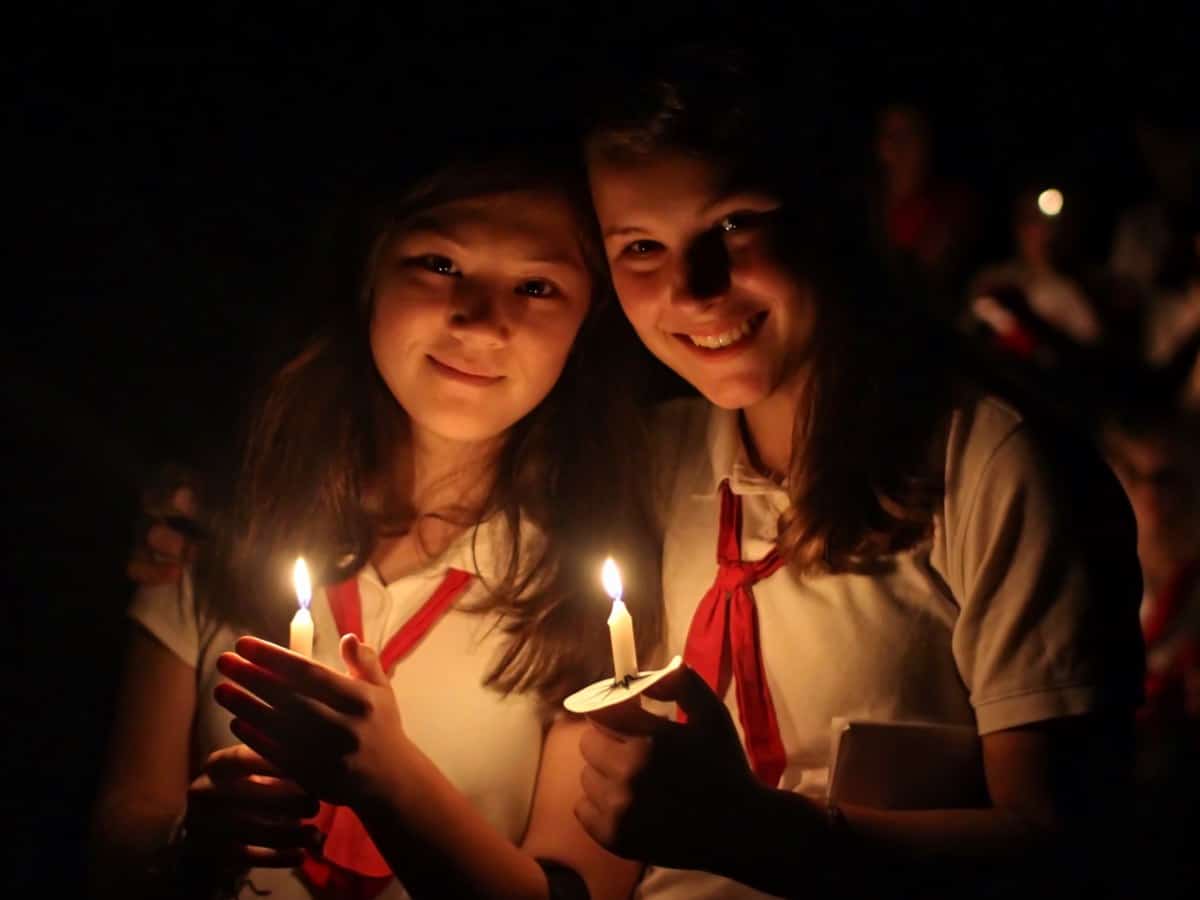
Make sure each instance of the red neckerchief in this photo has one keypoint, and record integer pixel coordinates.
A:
(348, 866)
(727, 618)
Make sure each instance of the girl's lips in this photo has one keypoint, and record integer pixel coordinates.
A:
(455, 374)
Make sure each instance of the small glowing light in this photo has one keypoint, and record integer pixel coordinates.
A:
(1050, 201)
(303, 583)
(611, 578)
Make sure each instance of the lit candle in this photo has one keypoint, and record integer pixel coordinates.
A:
(300, 635)
(620, 625)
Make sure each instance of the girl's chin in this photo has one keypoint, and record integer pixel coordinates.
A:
(736, 393)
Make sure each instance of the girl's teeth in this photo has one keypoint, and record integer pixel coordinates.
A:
(717, 341)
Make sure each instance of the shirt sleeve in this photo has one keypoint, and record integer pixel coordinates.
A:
(1044, 565)
(168, 612)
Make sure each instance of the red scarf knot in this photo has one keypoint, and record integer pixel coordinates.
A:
(723, 642)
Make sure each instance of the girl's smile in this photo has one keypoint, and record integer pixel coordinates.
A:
(464, 373)
(724, 340)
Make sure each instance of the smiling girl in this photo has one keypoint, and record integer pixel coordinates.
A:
(852, 530)
(442, 457)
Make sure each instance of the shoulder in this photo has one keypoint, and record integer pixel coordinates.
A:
(1003, 462)
(980, 425)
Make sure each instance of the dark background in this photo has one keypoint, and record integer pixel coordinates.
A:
(170, 181)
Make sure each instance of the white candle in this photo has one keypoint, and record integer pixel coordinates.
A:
(620, 625)
(300, 635)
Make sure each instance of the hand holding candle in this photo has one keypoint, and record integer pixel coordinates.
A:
(300, 635)
(627, 681)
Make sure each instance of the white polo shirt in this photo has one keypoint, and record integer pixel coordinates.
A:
(994, 622)
(486, 744)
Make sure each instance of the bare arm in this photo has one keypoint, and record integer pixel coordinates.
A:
(442, 845)
(554, 831)
(144, 786)
(240, 812)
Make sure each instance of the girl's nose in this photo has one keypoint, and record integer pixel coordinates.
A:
(477, 314)
(705, 271)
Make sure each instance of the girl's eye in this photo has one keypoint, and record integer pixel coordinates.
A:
(434, 262)
(641, 248)
(739, 221)
(537, 287)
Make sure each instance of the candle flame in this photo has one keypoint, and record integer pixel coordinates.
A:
(610, 575)
(302, 582)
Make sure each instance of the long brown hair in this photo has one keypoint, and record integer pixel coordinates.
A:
(865, 476)
(572, 468)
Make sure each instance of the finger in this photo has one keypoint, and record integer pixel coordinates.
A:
(269, 686)
(249, 708)
(149, 573)
(165, 541)
(628, 718)
(362, 662)
(612, 757)
(259, 681)
(271, 749)
(594, 822)
(237, 761)
(304, 676)
(605, 793)
(299, 723)
(261, 795)
(685, 687)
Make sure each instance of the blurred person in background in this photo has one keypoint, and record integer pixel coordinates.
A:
(926, 223)
(1040, 270)
(1157, 458)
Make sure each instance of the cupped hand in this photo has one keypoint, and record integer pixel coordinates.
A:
(660, 791)
(339, 736)
(241, 813)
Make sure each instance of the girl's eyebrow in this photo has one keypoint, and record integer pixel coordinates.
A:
(527, 252)
(743, 195)
(622, 230)
(431, 227)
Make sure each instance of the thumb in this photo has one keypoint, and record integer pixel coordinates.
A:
(685, 687)
(361, 661)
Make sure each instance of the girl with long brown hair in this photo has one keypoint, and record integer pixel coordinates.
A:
(453, 459)
(853, 531)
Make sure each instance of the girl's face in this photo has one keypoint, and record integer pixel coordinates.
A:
(694, 266)
(476, 305)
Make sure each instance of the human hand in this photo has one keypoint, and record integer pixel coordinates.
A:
(241, 813)
(340, 736)
(660, 791)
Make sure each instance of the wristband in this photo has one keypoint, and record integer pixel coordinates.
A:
(564, 883)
